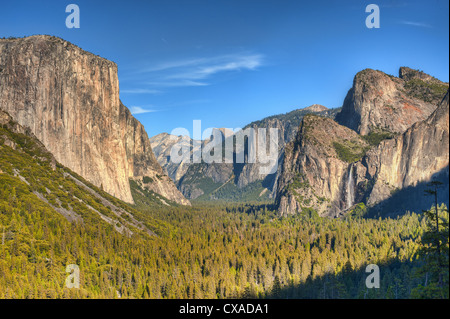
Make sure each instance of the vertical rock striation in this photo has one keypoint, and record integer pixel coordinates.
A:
(414, 157)
(315, 173)
(69, 98)
(391, 139)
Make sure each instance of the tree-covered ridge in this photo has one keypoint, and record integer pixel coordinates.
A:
(294, 118)
(32, 172)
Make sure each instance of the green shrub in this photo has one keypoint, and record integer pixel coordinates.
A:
(147, 180)
(349, 152)
(429, 92)
(375, 137)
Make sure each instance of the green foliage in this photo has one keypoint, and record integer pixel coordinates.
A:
(147, 180)
(227, 192)
(432, 91)
(231, 193)
(205, 252)
(359, 210)
(349, 151)
(376, 136)
(309, 213)
(298, 182)
(434, 253)
(207, 185)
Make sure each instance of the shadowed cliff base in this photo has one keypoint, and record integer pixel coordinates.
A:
(413, 198)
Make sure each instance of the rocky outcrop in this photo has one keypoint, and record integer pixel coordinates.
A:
(316, 166)
(381, 102)
(142, 163)
(287, 126)
(162, 145)
(69, 98)
(315, 108)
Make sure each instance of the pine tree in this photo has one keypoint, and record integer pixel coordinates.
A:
(276, 289)
(434, 251)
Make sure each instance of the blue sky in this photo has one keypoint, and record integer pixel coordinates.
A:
(230, 62)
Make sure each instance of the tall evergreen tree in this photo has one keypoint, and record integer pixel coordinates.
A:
(434, 250)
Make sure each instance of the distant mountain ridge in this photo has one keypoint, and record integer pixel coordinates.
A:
(233, 182)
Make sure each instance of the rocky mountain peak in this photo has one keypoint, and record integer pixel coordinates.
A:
(315, 108)
(378, 102)
(330, 169)
(408, 74)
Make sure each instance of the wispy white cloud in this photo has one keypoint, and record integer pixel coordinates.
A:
(139, 110)
(174, 64)
(416, 24)
(140, 91)
(177, 83)
(205, 70)
(196, 71)
(190, 102)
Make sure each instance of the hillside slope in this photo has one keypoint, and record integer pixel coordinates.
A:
(31, 179)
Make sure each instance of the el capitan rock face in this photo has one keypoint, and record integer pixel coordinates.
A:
(69, 98)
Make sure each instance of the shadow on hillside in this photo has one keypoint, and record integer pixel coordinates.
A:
(413, 198)
(397, 279)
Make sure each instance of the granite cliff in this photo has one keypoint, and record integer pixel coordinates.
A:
(407, 162)
(381, 102)
(315, 167)
(368, 157)
(69, 98)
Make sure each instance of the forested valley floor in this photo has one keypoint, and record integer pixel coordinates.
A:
(241, 251)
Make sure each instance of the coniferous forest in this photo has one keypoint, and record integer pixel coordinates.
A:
(237, 252)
